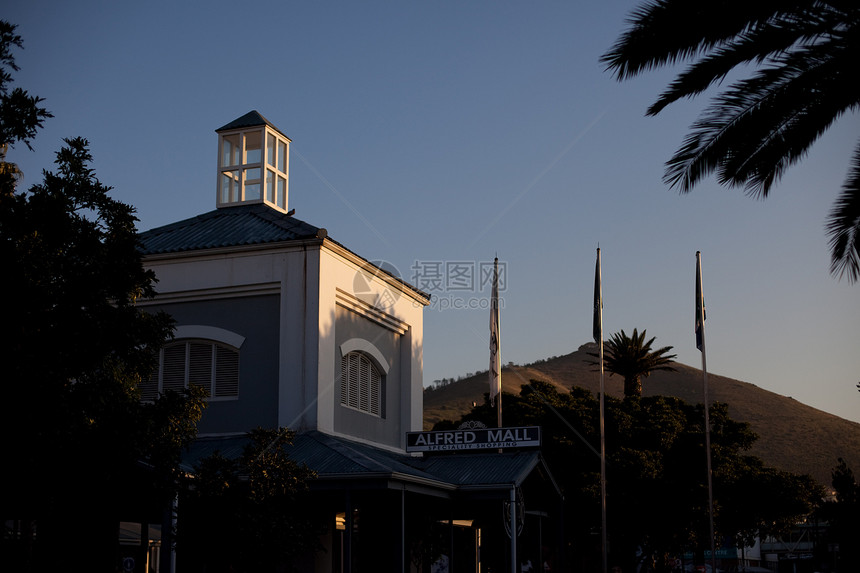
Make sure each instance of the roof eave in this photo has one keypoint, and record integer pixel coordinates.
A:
(251, 119)
(233, 249)
(388, 476)
(398, 283)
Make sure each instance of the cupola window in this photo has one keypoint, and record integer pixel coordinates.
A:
(253, 163)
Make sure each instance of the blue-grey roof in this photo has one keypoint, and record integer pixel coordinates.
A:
(332, 457)
(228, 446)
(490, 468)
(338, 459)
(251, 119)
(238, 225)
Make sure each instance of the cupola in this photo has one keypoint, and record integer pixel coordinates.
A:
(253, 163)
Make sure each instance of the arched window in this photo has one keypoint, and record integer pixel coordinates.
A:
(206, 363)
(361, 384)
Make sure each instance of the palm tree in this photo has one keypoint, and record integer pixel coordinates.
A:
(632, 358)
(803, 55)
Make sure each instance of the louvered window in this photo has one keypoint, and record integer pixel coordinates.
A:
(204, 363)
(360, 384)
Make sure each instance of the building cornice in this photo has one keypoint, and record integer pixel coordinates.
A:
(238, 250)
(365, 265)
(330, 245)
(259, 289)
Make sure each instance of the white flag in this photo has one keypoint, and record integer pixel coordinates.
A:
(495, 356)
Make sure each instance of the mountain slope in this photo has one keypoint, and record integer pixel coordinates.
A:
(792, 435)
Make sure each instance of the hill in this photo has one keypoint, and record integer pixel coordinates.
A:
(792, 436)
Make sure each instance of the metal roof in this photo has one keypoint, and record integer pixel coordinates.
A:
(238, 225)
(251, 119)
(229, 447)
(241, 225)
(491, 468)
(334, 458)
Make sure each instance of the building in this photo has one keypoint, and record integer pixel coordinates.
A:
(289, 328)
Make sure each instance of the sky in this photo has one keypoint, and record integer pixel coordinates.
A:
(435, 136)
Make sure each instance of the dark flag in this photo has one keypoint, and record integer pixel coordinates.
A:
(700, 304)
(598, 302)
(495, 356)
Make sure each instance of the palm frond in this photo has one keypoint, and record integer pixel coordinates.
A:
(809, 97)
(805, 54)
(759, 45)
(664, 32)
(843, 226)
(760, 126)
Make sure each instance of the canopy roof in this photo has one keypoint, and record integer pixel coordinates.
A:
(341, 463)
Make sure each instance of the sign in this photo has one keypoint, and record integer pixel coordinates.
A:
(722, 553)
(473, 439)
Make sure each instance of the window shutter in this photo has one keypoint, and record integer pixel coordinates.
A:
(360, 384)
(344, 380)
(149, 386)
(375, 391)
(173, 371)
(200, 362)
(200, 365)
(364, 386)
(354, 369)
(226, 372)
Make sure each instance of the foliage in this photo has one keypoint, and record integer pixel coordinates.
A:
(657, 498)
(801, 56)
(251, 508)
(843, 514)
(632, 358)
(20, 113)
(79, 443)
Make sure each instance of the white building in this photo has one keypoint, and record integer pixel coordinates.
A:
(289, 328)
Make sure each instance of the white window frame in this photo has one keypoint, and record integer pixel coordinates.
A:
(217, 339)
(206, 332)
(363, 376)
(240, 170)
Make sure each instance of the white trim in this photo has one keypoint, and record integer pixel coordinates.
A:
(361, 345)
(209, 333)
(350, 302)
(260, 289)
(418, 296)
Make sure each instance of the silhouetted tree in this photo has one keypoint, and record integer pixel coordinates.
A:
(253, 509)
(842, 513)
(802, 56)
(656, 479)
(20, 113)
(79, 446)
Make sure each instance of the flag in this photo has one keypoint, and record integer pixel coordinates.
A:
(495, 356)
(700, 304)
(598, 302)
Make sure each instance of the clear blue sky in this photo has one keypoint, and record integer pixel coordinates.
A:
(450, 132)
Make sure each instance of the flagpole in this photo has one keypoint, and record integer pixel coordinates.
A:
(495, 375)
(598, 338)
(495, 346)
(700, 344)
